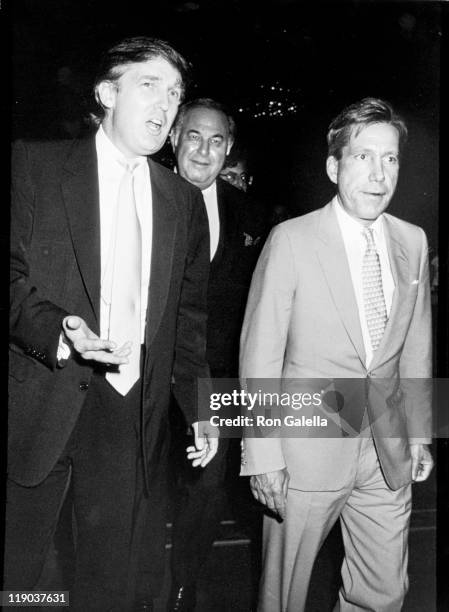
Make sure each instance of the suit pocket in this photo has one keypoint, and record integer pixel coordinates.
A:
(20, 366)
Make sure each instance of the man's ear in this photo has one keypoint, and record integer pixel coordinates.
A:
(332, 168)
(229, 146)
(107, 93)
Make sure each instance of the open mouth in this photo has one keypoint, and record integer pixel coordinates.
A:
(155, 125)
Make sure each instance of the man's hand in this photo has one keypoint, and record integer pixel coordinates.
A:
(90, 347)
(206, 443)
(271, 489)
(422, 462)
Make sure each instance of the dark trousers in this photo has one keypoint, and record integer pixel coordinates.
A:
(198, 509)
(120, 531)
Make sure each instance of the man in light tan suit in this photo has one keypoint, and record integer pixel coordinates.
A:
(343, 293)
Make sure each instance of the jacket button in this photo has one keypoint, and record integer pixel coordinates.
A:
(84, 385)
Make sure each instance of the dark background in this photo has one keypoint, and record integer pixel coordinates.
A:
(309, 59)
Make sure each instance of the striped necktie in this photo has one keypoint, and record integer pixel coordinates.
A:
(124, 318)
(373, 295)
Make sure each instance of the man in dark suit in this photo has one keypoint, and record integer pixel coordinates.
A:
(110, 257)
(202, 136)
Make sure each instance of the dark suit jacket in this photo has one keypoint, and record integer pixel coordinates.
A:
(55, 245)
(239, 245)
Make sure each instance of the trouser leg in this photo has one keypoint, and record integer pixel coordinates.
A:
(31, 518)
(105, 463)
(291, 546)
(147, 562)
(197, 516)
(375, 526)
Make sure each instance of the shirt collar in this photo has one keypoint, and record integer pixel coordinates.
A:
(210, 191)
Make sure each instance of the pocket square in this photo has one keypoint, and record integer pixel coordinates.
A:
(250, 240)
(415, 282)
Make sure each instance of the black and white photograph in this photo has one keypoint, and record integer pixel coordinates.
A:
(228, 369)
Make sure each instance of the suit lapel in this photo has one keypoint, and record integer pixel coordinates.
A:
(81, 199)
(400, 271)
(165, 221)
(332, 256)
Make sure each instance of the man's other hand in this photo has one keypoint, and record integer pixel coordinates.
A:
(271, 489)
(89, 346)
(206, 443)
(422, 462)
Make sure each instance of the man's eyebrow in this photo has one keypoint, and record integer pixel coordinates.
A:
(195, 131)
(154, 78)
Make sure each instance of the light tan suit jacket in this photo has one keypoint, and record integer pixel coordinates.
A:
(302, 322)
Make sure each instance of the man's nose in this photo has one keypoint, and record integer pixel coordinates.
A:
(163, 100)
(377, 172)
(204, 147)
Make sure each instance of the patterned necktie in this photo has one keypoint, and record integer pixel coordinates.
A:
(124, 318)
(373, 295)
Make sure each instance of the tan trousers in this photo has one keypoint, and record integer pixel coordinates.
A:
(375, 524)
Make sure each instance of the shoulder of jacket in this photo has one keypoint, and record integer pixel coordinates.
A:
(303, 223)
(176, 181)
(410, 229)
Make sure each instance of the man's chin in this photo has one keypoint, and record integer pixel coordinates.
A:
(154, 145)
(200, 182)
(374, 209)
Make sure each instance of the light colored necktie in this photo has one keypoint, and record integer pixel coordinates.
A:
(373, 295)
(124, 318)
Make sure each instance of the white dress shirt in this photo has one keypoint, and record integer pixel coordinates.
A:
(210, 200)
(111, 168)
(355, 246)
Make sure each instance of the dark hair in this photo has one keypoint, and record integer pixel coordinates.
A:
(134, 50)
(237, 154)
(358, 116)
(204, 103)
